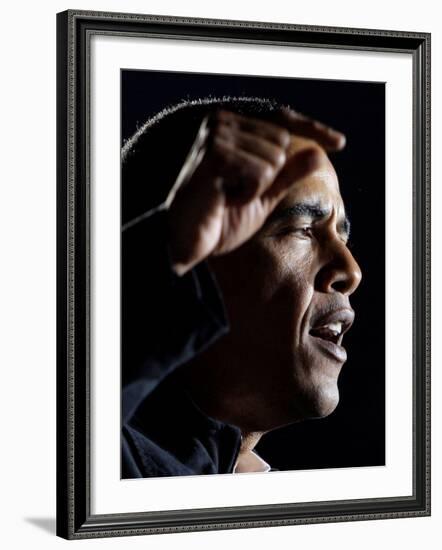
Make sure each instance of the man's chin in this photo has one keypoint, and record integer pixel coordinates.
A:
(327, 407)
(320, 401)
(319, 389)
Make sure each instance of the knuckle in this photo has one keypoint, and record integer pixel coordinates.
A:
(283, 137)
(280, 158)
(289, 115)
(222, 115)
(265, 174)
(318, 126)
(226, 132)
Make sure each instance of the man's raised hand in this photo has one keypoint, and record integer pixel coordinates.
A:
(238, 170)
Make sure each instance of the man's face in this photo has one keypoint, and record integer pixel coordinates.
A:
(287, 296)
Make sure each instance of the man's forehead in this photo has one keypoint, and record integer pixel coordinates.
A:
(319, 190)
(320, 187)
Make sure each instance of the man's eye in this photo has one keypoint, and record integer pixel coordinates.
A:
(305, 231)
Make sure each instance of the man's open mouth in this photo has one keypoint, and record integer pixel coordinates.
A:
(329, 330)
(332, 332)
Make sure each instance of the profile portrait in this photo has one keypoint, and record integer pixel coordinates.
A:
(252, 274)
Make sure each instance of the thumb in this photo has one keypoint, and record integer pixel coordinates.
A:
(298, 166)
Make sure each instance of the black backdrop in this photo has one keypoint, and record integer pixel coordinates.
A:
(354, 435)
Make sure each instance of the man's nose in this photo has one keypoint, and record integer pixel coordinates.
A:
(341, 272)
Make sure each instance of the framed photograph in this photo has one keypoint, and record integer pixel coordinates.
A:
(243, 274)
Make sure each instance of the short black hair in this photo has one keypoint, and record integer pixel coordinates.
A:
(154, 155)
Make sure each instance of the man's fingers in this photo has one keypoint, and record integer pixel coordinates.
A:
(299, 124)
(277, 126)
(239, 174)
(254, 144)
(262, 128)
(298, 166)
(246, 157)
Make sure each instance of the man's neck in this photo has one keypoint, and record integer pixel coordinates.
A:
(248, 460)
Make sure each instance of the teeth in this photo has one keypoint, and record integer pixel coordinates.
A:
(334, 327)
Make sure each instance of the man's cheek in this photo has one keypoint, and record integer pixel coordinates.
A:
(295, 278)
(276, 268)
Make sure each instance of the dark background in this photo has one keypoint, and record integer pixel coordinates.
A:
(353, 435)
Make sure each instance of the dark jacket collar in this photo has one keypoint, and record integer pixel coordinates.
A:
(174, 436)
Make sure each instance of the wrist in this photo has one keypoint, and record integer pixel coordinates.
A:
(180, 255)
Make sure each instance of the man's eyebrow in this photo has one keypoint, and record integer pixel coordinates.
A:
(311, 210)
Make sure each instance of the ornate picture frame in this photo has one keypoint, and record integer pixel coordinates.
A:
(76, 379)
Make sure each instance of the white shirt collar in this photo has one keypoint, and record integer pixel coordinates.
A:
(250, 462)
